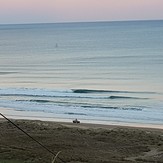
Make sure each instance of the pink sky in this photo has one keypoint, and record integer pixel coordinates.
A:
(26, 11)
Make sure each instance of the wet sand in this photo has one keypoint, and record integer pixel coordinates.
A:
(79, 143)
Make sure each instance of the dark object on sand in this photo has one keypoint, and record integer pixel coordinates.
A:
(76, 121)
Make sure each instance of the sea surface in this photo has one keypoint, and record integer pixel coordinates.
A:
(105, 72)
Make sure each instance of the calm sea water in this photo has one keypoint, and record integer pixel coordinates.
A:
(105, 71)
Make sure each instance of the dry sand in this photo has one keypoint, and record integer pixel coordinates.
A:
(79, 143)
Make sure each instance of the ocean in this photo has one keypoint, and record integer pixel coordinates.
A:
(97, 72)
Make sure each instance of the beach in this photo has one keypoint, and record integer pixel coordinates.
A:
(105, 74)
(79, 143)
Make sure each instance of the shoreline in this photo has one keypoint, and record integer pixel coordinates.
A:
(19, 115)
(85, 124)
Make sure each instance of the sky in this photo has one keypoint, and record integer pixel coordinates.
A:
(52, 11)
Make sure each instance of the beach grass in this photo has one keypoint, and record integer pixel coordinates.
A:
(79, 143)
(10, 161)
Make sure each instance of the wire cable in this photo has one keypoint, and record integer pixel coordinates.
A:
(31, 137)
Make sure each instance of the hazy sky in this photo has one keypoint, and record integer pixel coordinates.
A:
(30, 11)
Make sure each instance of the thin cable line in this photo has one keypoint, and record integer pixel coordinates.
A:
(31, 137)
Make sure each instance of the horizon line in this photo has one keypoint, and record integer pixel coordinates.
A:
(73, 22)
